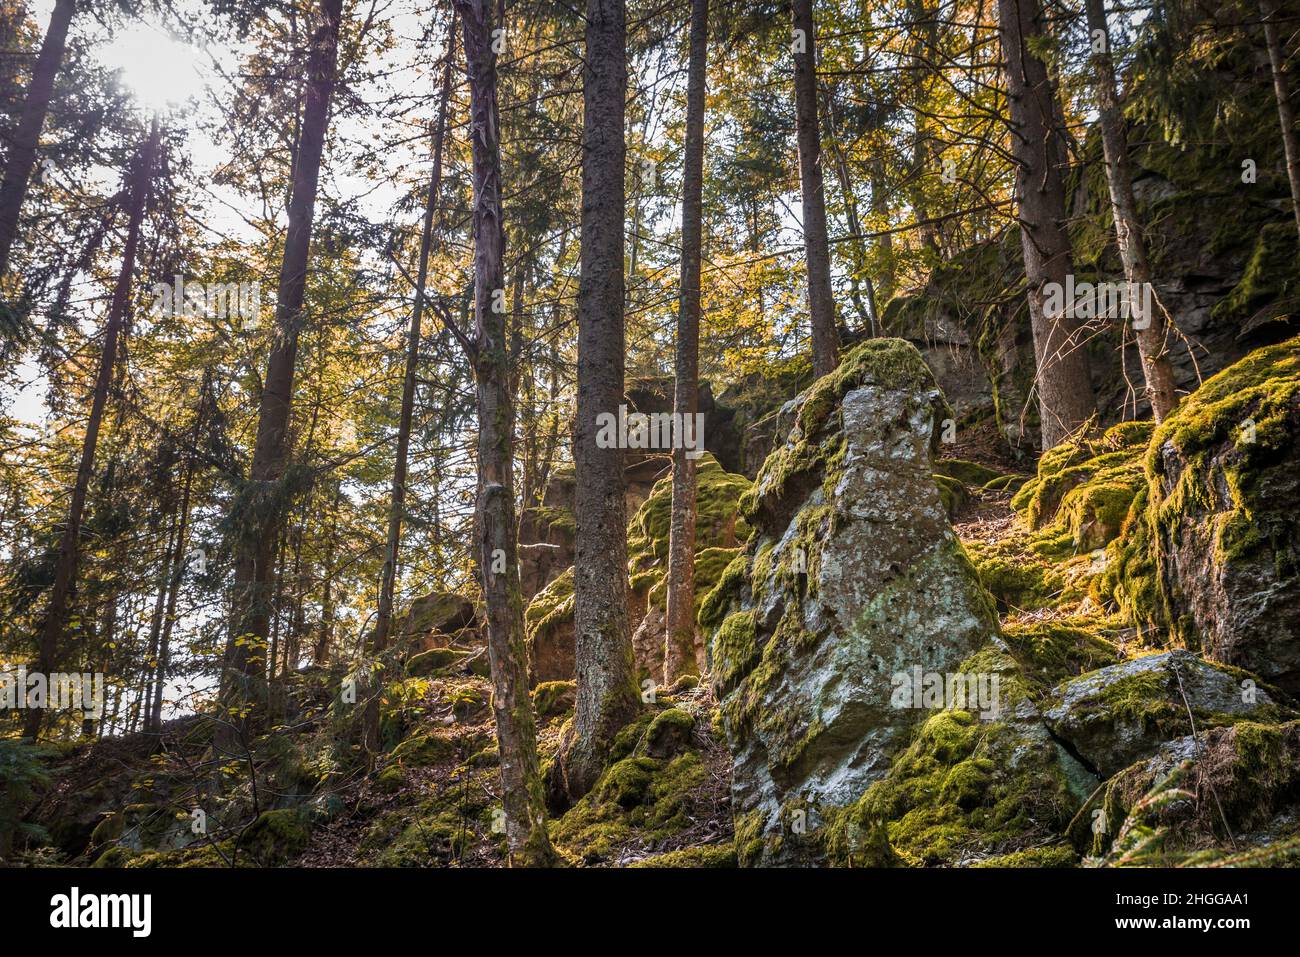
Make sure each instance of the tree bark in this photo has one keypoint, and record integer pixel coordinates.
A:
(321, 651)
(156, 618)
(607, 695)
(679, 651)
(1065, 397)
(65, 574)
(1285, 113)
(27, 134)
(821, 301)
(495, 523)
(154, 723)
(243, 684)
(1151, 331)
(397, 497)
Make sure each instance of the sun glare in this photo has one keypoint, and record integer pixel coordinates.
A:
(159, 70)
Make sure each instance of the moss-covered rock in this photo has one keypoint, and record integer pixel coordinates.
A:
(702, 856)
(423, 750)
(275, 837)
(853, 576)
(1115, 715)
(554, 698)
(1226, 797)
(435, 661)
(548, 624)
(1222, 528)
(668, 734)
(637, 800)
(967, 790)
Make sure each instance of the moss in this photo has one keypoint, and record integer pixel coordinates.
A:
(953, 493)
(426, 840)
(546, 517)
(1054, 856)
(1229, 440)
(970, 474)
(630, 735)
(467, 701)
(1054, 650)
(487, 758)
(1251, 768)
(627, 781)
(713, 607)
(447, 611)
(197, 855)
(276, 836)
(554, 698)
(1263, 388)
(703, 856)
(550, 607)
(1014, 576)
(1271, 276)
(669, 733)
(1099, 487)
(391, 780)
(435, 661)
(955, 791)
(735, 649)
(636, 799)
(717, 523)
(114, 856)
(423, 750)
(107, 830)
(1006, 483)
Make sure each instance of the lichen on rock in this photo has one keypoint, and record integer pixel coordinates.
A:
(853, 576)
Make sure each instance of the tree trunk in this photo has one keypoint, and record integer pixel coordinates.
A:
(156, 619)
(679, 652)
(884, 283)
(242, 685)
(397, 498)
(27, 135)
(173, 593)
(607, 693)
(1285, 113)
(321, 652)
(821, 301)
(65, 574)
(1152, 335)
(1065, 397)
(494, 515)
(923, 44)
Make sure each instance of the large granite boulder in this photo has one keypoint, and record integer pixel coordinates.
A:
(853, 577)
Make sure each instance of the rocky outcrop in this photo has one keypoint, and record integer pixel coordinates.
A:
(1225, 480)
(1230, 283)
(853, 577)
(1115, 715)
(719, 532)
(436, 620)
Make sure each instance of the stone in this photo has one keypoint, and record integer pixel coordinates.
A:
(1125, 712)
(854, 576)
(1225, 480)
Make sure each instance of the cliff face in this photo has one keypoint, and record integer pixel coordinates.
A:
(1220, 236)
(880, 711)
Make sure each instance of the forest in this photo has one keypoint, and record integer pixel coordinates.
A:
(649, 433)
